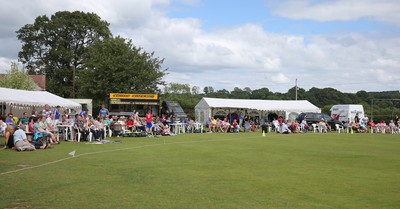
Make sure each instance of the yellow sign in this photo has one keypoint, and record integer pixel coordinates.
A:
(118, 101)
(133, 96)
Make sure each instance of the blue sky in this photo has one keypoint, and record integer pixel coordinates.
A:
(225, 14)
(349, 45)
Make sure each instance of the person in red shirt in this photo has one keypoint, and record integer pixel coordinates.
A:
(280, 119)
(235, 126)
(130, 124)
(149, 121)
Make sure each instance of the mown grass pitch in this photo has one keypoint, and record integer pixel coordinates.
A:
(242, 170)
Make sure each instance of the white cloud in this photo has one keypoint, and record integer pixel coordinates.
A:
(383, 62)
(280, 78)
(5, 64)
(342, 10)
(385, 76)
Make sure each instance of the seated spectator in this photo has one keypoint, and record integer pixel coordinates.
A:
(99, 123)
(372, 125)
(213, 125)
(3, 127)
(328, 127)
(94, 129)
(383, 128)
(393, 127)
(304, 125)
(275, 126)
(252, 126)
(284, 129)
(347, 124)
(247, 126)
(322, 125)
(292, 126)
(24, 120)
(166, 131)
(21, 142)
(9, 137)
(43, 125)
(51, 124)
(39, 131)
(9, 120)
(362, 128)
(130, 124)
(139, 124)
(225, 125)
(235, 126)
(79, 126)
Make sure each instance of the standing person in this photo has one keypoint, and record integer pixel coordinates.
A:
(56, 113)
(46, 111)
(103, 111)
(149, 121)
(241, 117)
(246, 116)
(356, 118)
(84, 113)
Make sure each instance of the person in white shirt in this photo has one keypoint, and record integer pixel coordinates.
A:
(21, 142)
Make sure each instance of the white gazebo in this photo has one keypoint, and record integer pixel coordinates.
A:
(263, 109)
(22, 100)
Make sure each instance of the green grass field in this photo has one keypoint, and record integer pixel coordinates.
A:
(242, 170)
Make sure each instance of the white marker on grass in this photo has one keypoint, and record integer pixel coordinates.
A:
(72, 153)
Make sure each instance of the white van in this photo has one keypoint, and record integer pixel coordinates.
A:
(344, 111)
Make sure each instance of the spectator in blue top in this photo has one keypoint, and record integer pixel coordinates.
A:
(9, 120)
(56, 113)
(84, 113)
(103, 111)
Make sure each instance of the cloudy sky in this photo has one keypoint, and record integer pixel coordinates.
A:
(349, 45)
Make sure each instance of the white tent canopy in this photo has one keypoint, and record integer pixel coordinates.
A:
(15, 97)
(207, 107)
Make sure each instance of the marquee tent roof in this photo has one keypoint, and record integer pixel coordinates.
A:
(266, 105)
(34, 98)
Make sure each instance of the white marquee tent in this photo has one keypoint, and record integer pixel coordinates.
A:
(289, 109)
(21, 99)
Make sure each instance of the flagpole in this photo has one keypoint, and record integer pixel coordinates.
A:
(296, 89)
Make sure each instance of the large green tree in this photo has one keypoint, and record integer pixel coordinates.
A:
(55, 47)
(116, 65)
(17, 79)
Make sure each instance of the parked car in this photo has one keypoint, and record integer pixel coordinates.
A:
(312, 117)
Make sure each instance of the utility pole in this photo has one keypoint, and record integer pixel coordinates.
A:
(296, 89)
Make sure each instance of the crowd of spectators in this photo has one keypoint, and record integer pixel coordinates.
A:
(40, 131)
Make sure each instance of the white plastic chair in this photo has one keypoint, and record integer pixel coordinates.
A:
(78, 133)
(315, 127)
(339, 127)
(90, 136)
